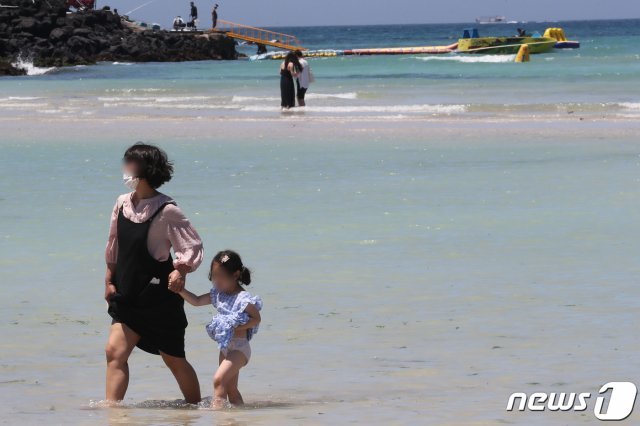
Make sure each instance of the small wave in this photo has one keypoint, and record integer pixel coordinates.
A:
(182, 98)
(51, 111)
(124, 99)
(253, 98)
(136, 90)
(346, 95)
(630, 105)
(469, 58)
(157, 105)
(19, 98)
(122, 63)
(394, 109)
(24, 105)
(344, 109)
(160, 99)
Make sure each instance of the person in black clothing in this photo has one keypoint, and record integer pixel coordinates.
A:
(142, 281)
(289, 69)
(194, 14)
(214, 16)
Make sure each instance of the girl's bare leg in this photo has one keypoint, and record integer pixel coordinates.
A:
(233, 393)
(121, 342)
(223, 380)
(185, 376)
(216, 402)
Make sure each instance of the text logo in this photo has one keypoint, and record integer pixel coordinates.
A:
(617, 405)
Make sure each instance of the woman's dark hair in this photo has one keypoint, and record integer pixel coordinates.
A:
(230, 261)
(153, 164)
(293, 59)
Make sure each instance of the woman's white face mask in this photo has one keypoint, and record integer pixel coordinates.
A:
(130, 181)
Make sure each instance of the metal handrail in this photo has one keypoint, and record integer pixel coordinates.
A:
(258, 34)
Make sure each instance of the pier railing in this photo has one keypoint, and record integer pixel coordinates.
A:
(259, 35)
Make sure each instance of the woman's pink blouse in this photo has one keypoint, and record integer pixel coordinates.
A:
(170, 229)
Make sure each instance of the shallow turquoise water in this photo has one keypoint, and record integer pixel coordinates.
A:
(598, 79)
(405, 279)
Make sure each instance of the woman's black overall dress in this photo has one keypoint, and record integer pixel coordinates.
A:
(142, 300)
(287, 89)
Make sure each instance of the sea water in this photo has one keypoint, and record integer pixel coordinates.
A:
(415, 269)
(598, 79)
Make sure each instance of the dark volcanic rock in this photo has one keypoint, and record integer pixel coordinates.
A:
(7, 69)
(46, 33)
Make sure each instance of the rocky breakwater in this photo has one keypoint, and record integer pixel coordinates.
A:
(47, 35)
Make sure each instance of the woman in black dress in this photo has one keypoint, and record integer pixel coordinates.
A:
(142, 279)
(289, 69)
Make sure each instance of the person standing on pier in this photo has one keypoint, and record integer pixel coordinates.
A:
(194, 14)
(214, 16)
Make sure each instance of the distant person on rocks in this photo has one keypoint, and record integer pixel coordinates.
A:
(214, 16)
(193, 14)
(178, 23)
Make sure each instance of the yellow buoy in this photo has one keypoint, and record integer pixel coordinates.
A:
(523, 53)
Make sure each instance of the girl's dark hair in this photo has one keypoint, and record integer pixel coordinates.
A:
(292, 58)
(153, 163)
(230, 261)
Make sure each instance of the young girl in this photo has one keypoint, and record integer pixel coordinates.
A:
(234, 325)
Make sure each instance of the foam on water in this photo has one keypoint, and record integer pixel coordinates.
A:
(347, 95)
(630, 105)
(19, 98)
(159, 99)
(27, 65)
(360, 109)
(205, 404)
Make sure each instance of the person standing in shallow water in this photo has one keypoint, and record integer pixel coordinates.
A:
(142, 280)
(289, 70)
(303, 80)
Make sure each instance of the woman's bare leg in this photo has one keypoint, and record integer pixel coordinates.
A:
(121, 342)
(185, 376)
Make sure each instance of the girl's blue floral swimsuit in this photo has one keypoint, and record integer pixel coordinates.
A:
(231, 314)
